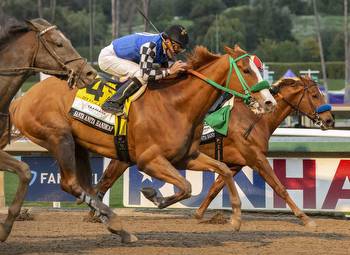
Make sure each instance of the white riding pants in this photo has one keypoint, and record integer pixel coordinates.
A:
(110, 63)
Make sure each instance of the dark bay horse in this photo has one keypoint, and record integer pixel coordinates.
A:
(27, 48)
(163, 131)
(248, 137)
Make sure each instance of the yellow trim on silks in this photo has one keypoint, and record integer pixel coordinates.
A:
(99, 93)
(90, 94)
(123, 119)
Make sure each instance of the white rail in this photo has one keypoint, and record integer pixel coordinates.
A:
(311, 132)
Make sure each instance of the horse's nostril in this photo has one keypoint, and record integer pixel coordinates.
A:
(90, 73)
(330, 123)
(268, 102)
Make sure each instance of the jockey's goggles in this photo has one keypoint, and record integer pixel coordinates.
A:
(177, 47)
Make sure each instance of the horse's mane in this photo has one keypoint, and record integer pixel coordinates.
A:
(200, 56)
(9, 28)
(285, 81)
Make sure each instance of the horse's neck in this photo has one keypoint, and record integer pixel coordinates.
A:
(15, 55)
(196, 94)
(275, 118)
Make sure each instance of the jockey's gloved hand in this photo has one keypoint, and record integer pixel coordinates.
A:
(177, 67)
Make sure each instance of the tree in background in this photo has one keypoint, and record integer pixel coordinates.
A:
(333, 44)
(247, 17)
(273, 21)
(297, 7)
(53, 10)
(115, 13)
(224, 32)
(309, 50)
(346, 54)
(40, 9)
(334, 7)
(146, 5)
(272, 51)
(251, 23)
(319, 39)
(203, 8)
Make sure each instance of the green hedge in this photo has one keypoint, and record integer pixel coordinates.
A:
(335, 69)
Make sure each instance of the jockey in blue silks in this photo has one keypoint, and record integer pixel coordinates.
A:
(142, 57)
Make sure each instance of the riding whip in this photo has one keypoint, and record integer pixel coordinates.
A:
(147, 19)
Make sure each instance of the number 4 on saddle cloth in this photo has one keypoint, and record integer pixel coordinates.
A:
(87, 109)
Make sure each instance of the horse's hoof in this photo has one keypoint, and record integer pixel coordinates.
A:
(160, 203)
(198, 215)
(114, 225)
(4, 233)
(79, 201)
(311, 224)
(127, 237)
(149, 193)
(92, 218)
(236, 223)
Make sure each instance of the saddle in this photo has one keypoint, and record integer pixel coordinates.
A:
(86, 108)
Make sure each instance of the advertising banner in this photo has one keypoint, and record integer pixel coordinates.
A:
(45, 182)
(321, 184)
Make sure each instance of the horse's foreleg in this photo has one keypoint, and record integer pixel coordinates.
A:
(10, 164)
(83, 168)
(114, 170)
(71, 168)
(203, 162)
(270, 177)
(159, 167)
(214, 190)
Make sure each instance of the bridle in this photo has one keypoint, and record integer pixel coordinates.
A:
(73, 76)
(315, 115)
(246, 97)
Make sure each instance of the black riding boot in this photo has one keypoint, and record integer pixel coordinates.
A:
(115, 104)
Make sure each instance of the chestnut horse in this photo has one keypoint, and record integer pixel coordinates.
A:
(162, 134)
(248, 137)
(27, 48)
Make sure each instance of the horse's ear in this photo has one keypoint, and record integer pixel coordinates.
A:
(306, 77)
(237, 47)
(38, 24)
(31, 24)
(289, 81)
(228, 50)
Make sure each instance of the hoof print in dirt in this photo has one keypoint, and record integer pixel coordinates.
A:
(24, 215)
(218, 218)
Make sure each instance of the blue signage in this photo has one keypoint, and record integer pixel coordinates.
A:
(45, 182)
(254, 190)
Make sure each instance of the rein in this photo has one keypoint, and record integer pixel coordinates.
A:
(73, 77)
(314, 116)
(247, 90)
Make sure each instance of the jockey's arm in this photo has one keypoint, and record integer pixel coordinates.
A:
(149, 70)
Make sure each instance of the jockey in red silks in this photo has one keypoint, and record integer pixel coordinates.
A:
(142, 57)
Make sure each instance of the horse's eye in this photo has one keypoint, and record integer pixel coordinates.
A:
(58, 43)
(315, 95)
(247, 70)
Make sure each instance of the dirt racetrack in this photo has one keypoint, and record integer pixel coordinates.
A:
(176, 232)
